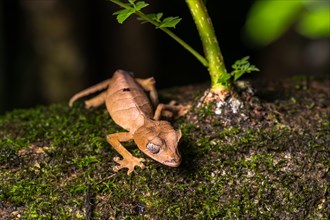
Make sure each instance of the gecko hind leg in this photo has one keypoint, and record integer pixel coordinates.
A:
(149, 86)
(128, 161)
(96, 101)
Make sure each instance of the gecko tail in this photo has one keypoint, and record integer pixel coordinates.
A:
(96, 88)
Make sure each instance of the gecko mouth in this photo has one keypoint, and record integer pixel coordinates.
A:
(172, 162)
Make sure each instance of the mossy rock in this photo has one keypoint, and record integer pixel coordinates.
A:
(56, 164)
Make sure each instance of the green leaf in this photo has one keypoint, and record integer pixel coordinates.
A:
(169, 22)
(156, 17)
(241, 67)
(153, 16)
(224, 79)
(122, 15)
(139, 5)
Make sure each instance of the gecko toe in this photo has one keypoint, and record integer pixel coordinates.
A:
(116, 168)
(128, 163)
(129, 171)
(116, 159)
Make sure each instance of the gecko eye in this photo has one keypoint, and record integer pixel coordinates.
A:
(153, 148)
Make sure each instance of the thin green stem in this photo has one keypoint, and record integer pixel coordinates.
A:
(217, 69)
(166, 30)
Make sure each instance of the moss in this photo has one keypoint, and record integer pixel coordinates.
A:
(56, 164)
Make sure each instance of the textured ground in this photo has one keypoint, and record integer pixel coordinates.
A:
(269, 161)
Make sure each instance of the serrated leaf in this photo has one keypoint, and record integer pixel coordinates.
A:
(122, 15)
(142, 20)
(159, 16)
(139, 5)
(169, 22)
(224, 79)
(156, 17)
(152, 16)
(238, 75)
(241, 67)
(240, 62)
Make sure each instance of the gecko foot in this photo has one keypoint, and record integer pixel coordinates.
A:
(174, 110)
(129, 163)
(178, 109)
(183, 109)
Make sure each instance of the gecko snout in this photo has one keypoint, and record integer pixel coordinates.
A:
(174, 162)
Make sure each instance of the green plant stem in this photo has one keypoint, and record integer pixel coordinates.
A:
(217, 69)
(167, 31)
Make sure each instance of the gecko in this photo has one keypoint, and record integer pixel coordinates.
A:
(128, 104)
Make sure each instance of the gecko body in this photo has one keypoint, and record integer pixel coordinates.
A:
(130, 107)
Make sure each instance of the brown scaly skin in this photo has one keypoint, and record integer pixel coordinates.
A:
(129, 106)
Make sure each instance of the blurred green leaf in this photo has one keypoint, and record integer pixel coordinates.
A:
(269, 19)
(315, 23)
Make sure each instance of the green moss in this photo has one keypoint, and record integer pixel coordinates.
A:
(53, 159)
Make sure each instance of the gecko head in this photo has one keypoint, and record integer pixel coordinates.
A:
(159, 141)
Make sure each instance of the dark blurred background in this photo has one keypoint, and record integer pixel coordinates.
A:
(50, 49)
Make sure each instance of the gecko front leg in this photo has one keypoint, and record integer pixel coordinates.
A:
(176, 110)
(128, 161)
